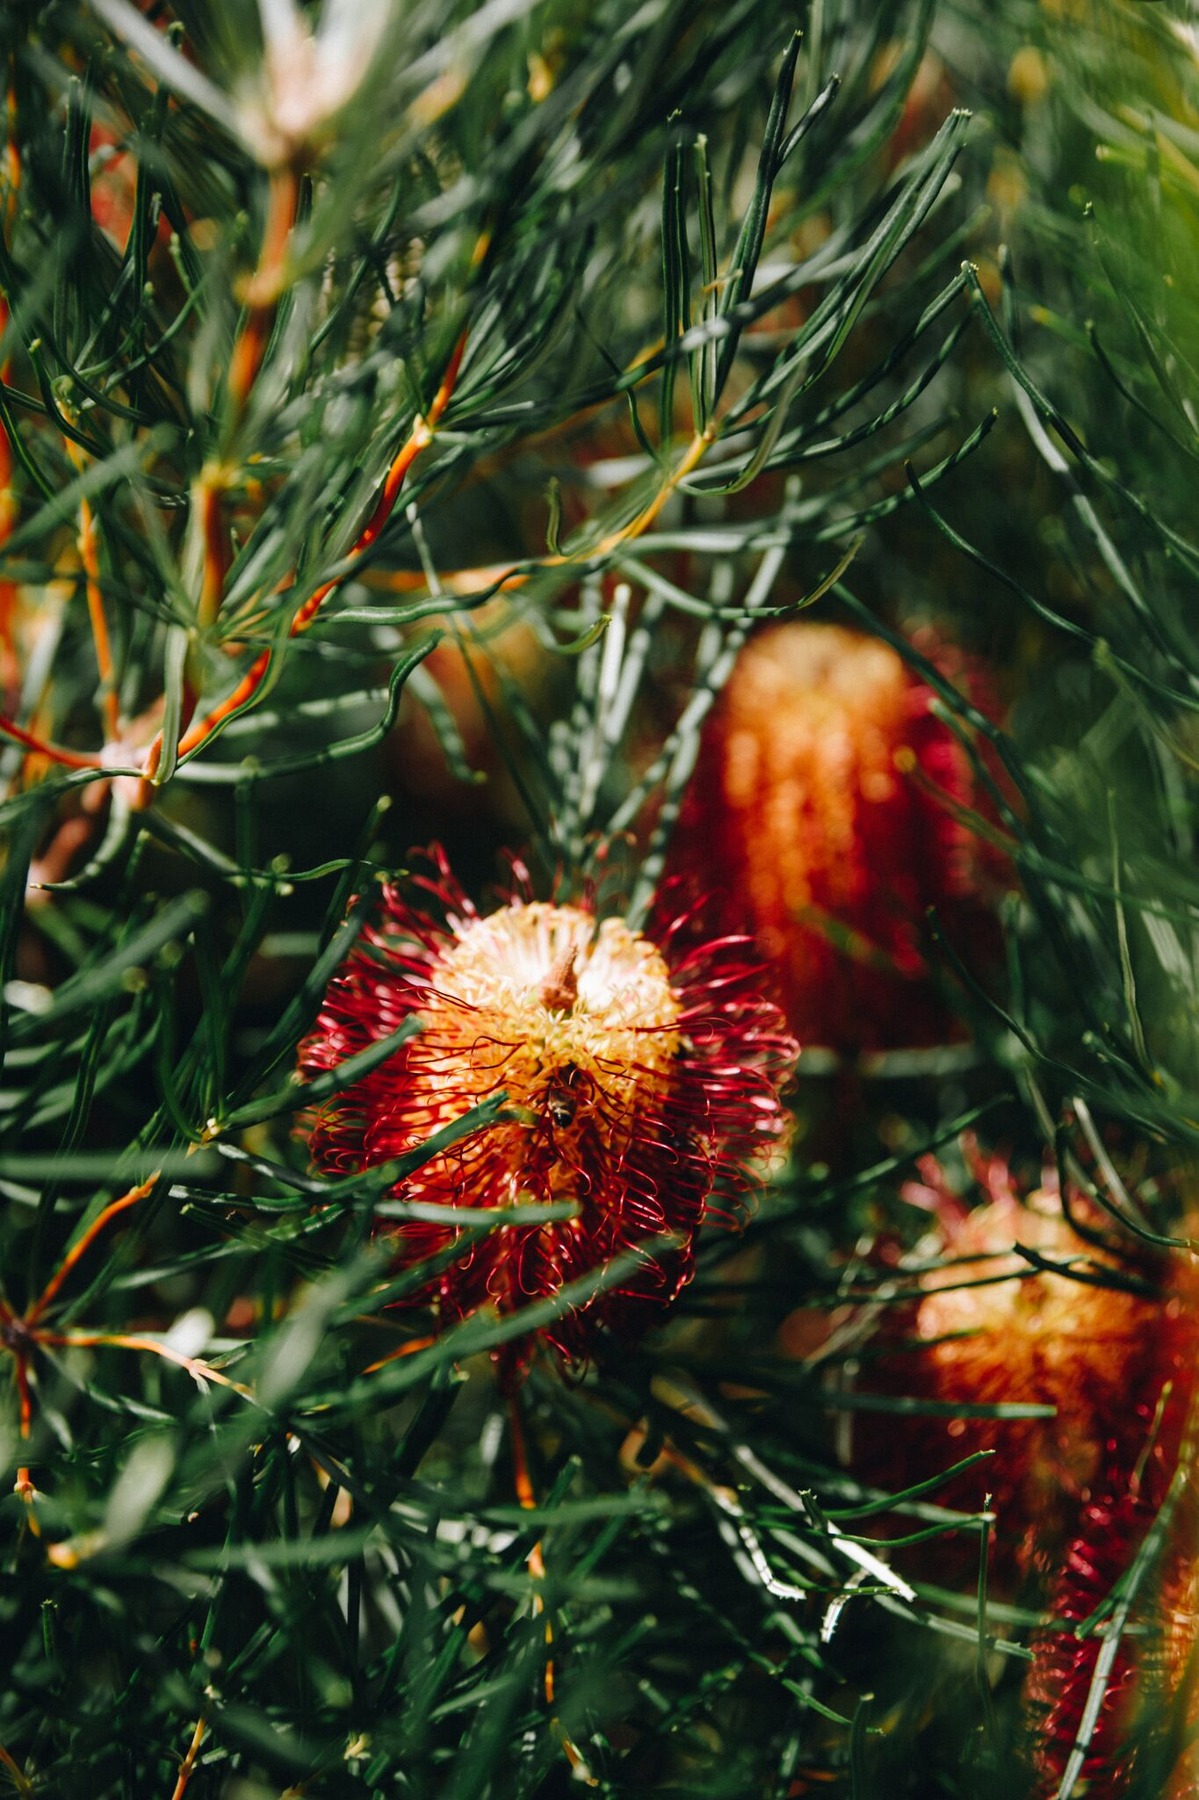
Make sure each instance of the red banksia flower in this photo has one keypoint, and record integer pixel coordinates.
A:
(1064, 1666)
(641, 1074)
(1139, 1718)
(817, 810)
(1112, 1347)
(1139, 1534)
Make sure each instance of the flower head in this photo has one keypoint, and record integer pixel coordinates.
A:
(1022, 1308)
(1136, 1536)
(1144, 1736)
(639, 1075)
(307, 77)
(305, 80)
(1089, 1342)
(824, 800)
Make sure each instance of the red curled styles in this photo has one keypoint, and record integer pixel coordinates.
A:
(642, 1072)
(1144, 1737)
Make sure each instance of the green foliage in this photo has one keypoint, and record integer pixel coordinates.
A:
(621, 327)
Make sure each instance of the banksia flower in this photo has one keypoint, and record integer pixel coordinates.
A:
(1078, 1342)
(1131, 1727)
(640, 1076)
(1064, 1666)
(818, 815)
(1169, 1669)
(993, 1329)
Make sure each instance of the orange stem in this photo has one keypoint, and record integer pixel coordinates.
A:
(90, 559)
(68, 758)
(11, 165)
(203, 728)
(262, 294)
(502, 576)
(418, 439)
(10, 181)
(209, 490)
(408, 1349)
(10, 668)
(79, 1249)
(24, 1395)
(20, 1780)
(195, 1366)
(26, 1493)
(265, 286)
(189, 1762)
(520, 1458)
(535, 1563)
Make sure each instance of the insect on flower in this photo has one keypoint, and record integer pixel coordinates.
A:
(642, 1073)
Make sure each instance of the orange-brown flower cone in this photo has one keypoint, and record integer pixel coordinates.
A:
(821, 816)
(992, 1329)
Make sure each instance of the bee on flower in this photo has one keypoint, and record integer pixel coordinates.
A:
(641, 1073)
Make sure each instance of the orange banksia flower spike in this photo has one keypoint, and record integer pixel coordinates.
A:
(641, 1070)
(1082, 1341)
(1028, 1303)
(825, 817)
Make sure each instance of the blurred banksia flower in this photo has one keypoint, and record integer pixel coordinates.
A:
(640, 1075)
(1109, 1748)
(819, 807)
(994, 1329)
(1122, 1716)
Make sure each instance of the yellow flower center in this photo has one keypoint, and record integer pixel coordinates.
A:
(564, 1015)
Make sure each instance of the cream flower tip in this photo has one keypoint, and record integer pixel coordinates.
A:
(306, 78)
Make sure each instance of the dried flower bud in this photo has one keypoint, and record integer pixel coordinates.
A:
(640, 1075)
